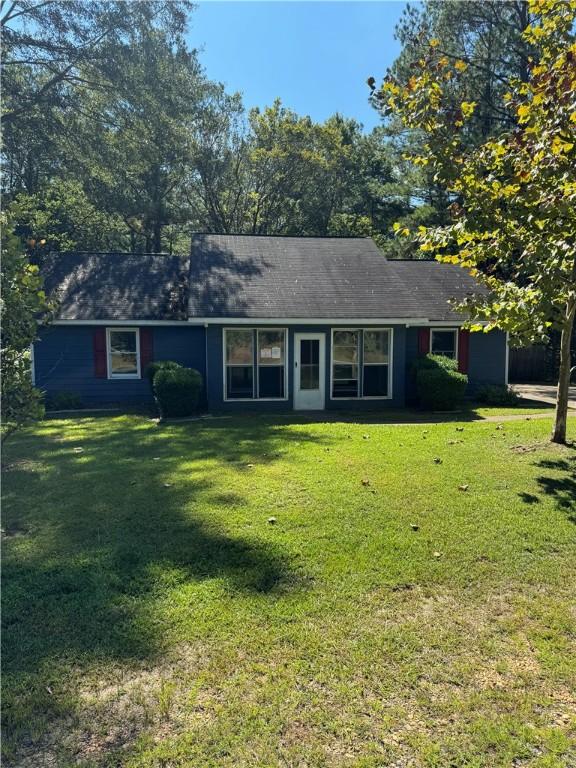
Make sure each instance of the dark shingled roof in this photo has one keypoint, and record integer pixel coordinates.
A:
(433, 285)
(230, 276)
(117, 286)
(309, 277)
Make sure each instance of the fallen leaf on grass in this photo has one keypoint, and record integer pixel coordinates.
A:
(414, 526)
(167, 485)
(437, 460)
(271, 520)
(463, 487)
(436, 554)
(365, 481)
(78, 450)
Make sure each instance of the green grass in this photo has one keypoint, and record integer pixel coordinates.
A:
(153, 616)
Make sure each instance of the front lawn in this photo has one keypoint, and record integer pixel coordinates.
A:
(271, 591)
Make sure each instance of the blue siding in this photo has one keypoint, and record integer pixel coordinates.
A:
(486, 363)
(64, 361)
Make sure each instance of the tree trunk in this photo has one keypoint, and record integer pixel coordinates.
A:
(157, 236)
(561, 415)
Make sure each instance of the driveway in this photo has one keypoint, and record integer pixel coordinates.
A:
(545, 393)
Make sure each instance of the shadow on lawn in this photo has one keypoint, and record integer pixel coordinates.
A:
(96, 537)
(561, 485)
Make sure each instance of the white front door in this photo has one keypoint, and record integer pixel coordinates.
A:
(309, 371)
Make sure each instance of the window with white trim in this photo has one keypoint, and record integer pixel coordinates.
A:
(361, 363)
(123, 350)
(444, 342)
(255, 363)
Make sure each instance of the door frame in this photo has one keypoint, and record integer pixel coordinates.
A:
(321, 337)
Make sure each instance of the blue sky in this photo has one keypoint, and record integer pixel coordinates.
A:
(315, 56)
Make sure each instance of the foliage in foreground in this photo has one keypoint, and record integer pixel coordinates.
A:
(513, 210)
(23, 301)
(412, 602)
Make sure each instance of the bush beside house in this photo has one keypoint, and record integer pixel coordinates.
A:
(439, 384)
(176, 389)
(497, 396)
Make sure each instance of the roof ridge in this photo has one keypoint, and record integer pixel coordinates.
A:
(286, 237)
(117, 253)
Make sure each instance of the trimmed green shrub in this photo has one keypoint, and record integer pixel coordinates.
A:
(158, 365)
(64, 401)
(177, 390)
(439, 384)
(433, 362)
(497, 395)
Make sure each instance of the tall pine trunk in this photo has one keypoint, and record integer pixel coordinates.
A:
(157, 236)
(561, 415)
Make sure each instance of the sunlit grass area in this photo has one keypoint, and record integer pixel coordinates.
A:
(274, 591)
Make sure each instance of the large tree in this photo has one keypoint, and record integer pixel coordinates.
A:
(49, 45)
(513, 197)
(281, 173)
(484, 38)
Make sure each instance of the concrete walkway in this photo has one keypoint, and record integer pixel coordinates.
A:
(544, 393)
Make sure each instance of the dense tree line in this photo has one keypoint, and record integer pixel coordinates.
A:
(114, 138)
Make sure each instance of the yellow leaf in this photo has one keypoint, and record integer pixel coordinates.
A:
(461, 66)
(523, 112)
(434, 42)
(559, 146)
(468, 108)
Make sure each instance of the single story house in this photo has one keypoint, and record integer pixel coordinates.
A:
(270, 322)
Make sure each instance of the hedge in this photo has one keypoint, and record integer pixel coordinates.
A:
(439, 384)
(177, 390)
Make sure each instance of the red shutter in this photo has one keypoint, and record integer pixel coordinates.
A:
(146, 349)
(463, 350)
(100, 362)
(423, 341)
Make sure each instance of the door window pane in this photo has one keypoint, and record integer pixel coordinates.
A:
(309, 364)
(443, 343)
